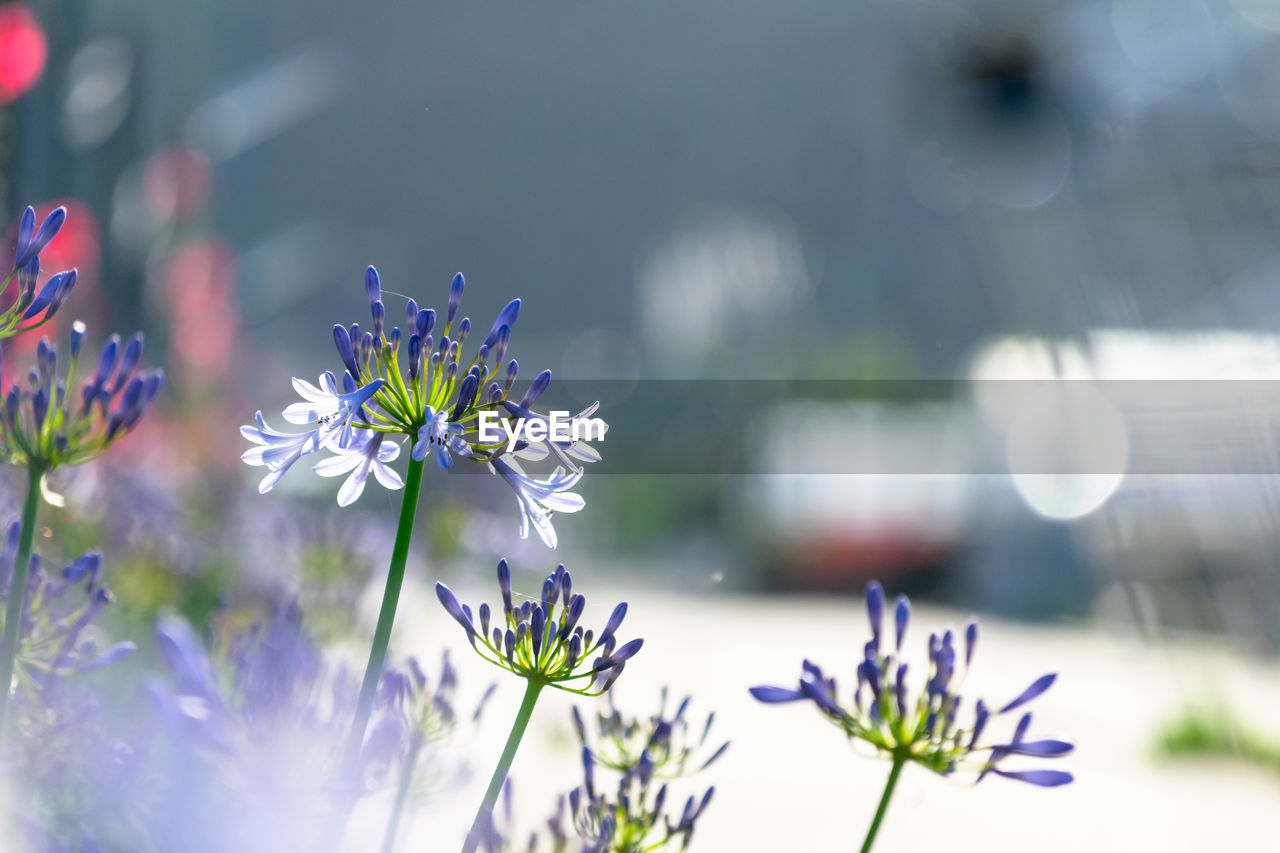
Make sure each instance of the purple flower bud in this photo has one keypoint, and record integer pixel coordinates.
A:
(623, 654)
(901, 616)
(455, 298)
(875, 610)
(29, 246)
(379, 312)
(551, 592)
(1037, 687)
(614, 675)
(77, 338)
(504, 584)
(112, 655)
(537, 628)
(980, 716)
(506, 317)
(536, 388)
(1047, 748)
(450, 602)
(128, 361)
(644, 769)
(484, 619)
(47, 293)
(84, 566)
(572, 614)
(464, 329)
(40, 407)
(970, 641)
(424, 323)
(500, 345)
(868, 672)
(68, 284)
(574, 651)
(1042, 778)
(615, 621)
(372, 286)
(27, 278)
(342, 340)
(466, 396)
(588, 774)
(775, 695)
(26, 230)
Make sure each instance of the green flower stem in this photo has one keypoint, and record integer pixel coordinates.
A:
(402, 794)
(531, 691)
(898, 762)
(18, 587)
(387, 615)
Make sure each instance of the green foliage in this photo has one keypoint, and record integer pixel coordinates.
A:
(1216, 732)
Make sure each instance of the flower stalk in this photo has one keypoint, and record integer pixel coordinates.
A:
(387, 613)
(18, 586)
(533, 687)
(894, 772)
(402, 794)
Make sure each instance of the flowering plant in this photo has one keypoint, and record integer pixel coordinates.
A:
(432, 399)
(542, 643)
(922, 729)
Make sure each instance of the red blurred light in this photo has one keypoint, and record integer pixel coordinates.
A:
(199, 283)
(22, 51)
(176, 182)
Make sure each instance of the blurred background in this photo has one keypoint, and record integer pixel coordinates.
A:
(826, 265)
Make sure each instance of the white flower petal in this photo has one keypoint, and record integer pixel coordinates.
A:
(353, 487)
(387, 476)
(335, 466)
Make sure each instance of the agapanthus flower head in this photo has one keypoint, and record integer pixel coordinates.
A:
(670, 745)
(48, 421)
(412, 710)
(923, 726)
(58, 607)
(541, 639)
(633, 817)
(415, 385)
(34, 304)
